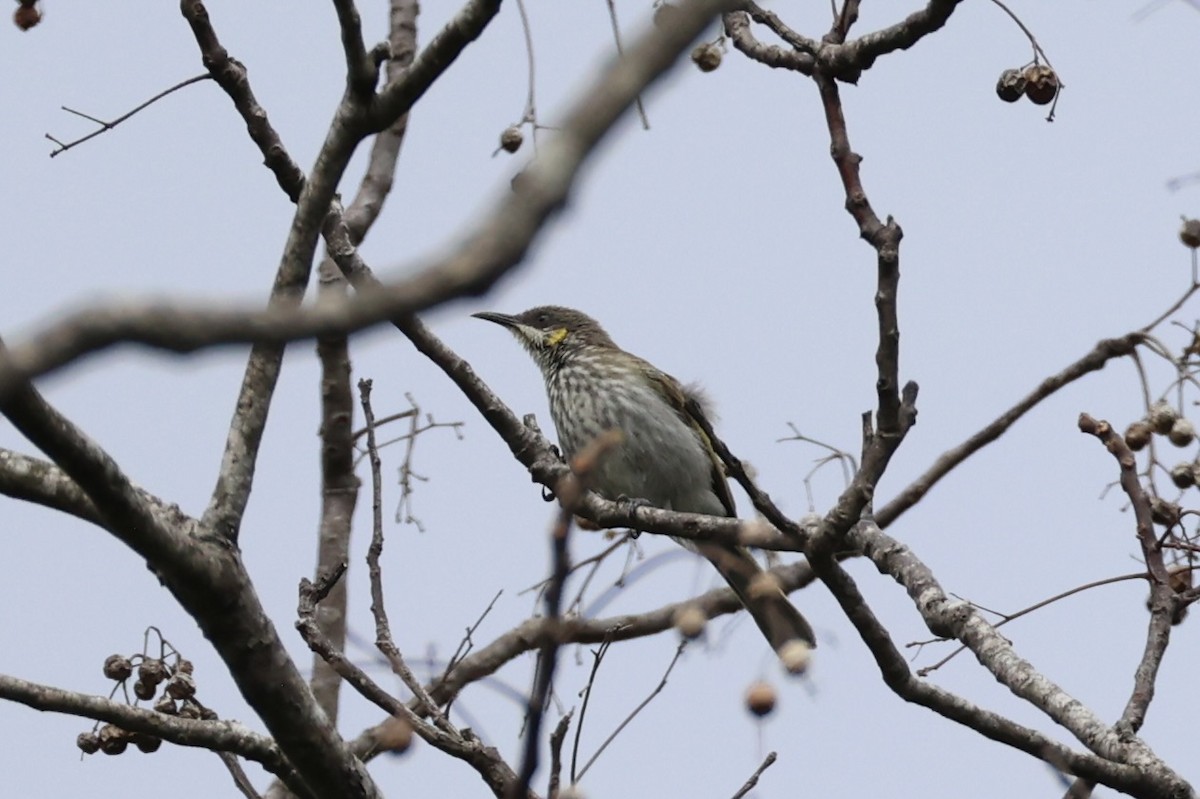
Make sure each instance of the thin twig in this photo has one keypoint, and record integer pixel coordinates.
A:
(240, 779)
(616, 29)
(657, 690)
(530, 113)
(597, 659)
(556, 742)
(107, 126)
(383, 630)
(750, 783)
(1008, 617)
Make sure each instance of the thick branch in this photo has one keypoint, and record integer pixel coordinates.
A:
(43, 483)
(1124, 763)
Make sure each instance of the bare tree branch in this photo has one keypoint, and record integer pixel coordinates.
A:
(339, 495)
(219, 736)
(360, 69)
(43, 483)
(1094, 360)
(485, 760)
(1124, 763)
(105, 126)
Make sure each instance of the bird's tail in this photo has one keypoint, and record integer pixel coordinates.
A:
(778, 619)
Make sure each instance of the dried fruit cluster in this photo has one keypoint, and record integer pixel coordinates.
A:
(172, 673)
(1164, 420)
(1037, 82)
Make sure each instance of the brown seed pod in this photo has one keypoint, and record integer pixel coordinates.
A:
(1189, 234)
(396, 735)
(189, 710)
(707, 57)
(118, 667)
(146, 743)
(166, 706)
(1162, 417)
(764, 585)
(113, 739)
(690, 621)
(796, 656)
(184, 665)
(511, 139)
(27, 16)
(181, 686)
(1163, 512)
(760, 698)
(1041, 84)
(1182, 433)
(152, 671)
(144, 690)
(1138, 435)
(1180, 580)
(1011, 85)
(1183, 475)
(88, 742)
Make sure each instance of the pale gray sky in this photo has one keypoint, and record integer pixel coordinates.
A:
(714, 245)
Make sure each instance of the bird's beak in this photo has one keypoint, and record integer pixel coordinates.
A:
(501, 319)
(527, 335)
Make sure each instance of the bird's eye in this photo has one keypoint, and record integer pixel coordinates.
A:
(543, 318)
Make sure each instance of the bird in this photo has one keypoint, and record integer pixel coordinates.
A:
(664, 457)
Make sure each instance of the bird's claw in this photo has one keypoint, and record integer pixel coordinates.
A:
(630, 505)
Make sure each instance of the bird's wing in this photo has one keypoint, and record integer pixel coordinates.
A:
(690, 406)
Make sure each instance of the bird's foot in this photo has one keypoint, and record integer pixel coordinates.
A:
(631, 505)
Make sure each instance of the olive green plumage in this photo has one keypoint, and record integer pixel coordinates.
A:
(664, 458)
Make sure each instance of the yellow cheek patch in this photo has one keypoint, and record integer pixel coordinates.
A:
(555, 337)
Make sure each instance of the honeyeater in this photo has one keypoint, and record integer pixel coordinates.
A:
(664, 457)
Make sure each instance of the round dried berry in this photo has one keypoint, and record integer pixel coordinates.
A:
(184, 665)
(1183, 475)
(144, 690)
(795, 656)
(27, 16)
(760, 698)
(166, 706)
(113, 739)
(707, 57)
(1189, 234)
(1182, 433)
(1137, 435)
(189, 710)
(88, 742)
(395, 736)
(1162, 417)
(1010, 86)
(690, 621)
(764, 585)
(152, 670)
(511, 139)
(146, 743)
(1041, 84)
(118, 667)
(181, 686)
(1163, 512)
